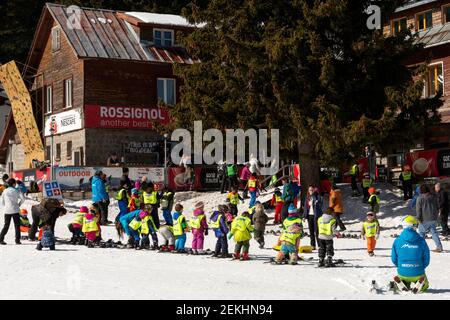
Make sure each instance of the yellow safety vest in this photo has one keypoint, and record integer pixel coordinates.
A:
(150, 198)
(252, 183)
(370, 228)
(367, 183)
(241, 228)
(353, 169)
(177, 226)
(287, 223)
(120, 195)
(278, 198)
(407, 175)
(144, 225)
(241, 223)
(79, 216)
(196, 221)
(135, 224)
(326, 228)
(215, 224)
(89, 225)
(290, 237)
(234, 198)
(376, 197)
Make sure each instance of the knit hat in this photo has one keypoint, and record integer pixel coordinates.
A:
(134, 191)
(292, 209)
(143, 214)
(137, 184)
(84, 209)
(371, 190)
(409, 222)
(370, 213)
(23, 212)
(199, 205)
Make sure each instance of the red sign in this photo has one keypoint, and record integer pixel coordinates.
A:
(110, 117)
(423, 163)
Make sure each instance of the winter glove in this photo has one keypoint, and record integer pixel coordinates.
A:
(229, 236)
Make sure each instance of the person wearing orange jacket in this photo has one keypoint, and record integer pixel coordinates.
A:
(337, 204)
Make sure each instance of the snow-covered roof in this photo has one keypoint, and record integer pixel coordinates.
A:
(163, 19)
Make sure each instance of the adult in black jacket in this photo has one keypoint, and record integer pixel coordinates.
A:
(45, 213)
(443, 203)
(125, 179)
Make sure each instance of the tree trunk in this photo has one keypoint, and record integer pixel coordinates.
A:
(309, 163)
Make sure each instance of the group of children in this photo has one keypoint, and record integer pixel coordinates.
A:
(138, 219)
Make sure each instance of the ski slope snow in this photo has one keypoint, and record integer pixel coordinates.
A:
(76, 272)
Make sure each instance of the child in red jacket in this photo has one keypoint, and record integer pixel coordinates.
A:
(277, 202)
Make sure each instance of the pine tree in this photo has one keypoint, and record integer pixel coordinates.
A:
(312, 69)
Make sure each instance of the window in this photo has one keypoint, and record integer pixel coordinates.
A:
(446, 13)
(166, 91)
(56, 39)
(434, 80)
(69, 150)
(163, 38)
(68, 93)
(58, 152)
(48, 99)
(424, 20)
(399, 25)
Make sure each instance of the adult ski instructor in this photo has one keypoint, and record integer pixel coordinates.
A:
(411, 255)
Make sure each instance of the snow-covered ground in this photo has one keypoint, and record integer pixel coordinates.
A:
(76, 272)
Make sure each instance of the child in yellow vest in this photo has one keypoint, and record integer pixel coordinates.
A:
(77, 224)
(374, 201)
(141, 227)
(136, 201)
(371, 231)
(241, 229)
(290, 243)
(327, 229)
(91, 226)
(232, 200)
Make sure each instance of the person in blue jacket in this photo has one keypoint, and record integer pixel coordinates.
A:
(125, 224)
(411, 255)
(100, 196)
(218, 223)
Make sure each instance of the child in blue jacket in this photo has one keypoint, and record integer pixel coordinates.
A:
(218, 223)
(411, 255)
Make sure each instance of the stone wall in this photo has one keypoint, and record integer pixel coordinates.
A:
(78, 145)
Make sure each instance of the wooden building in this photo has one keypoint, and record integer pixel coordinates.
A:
(97, 79)
(430, 19)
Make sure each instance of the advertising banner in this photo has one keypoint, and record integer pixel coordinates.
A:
(122, 117)
(80, 177)
(423, 163)
(63, 122)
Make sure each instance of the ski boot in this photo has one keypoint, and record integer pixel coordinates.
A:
(261, 245)
(371, 254)
(236, 256)
(163, 248)
(321, 263)
(245, 257)
(215, 255)
(417, 287)
(154, 247)
(225, 255)
(392, 287)
(329, 263)
(39, 246)
(52, 248)
(399, 284)
(171, 249)
(374, 287)
(293, 259)
(90, 244)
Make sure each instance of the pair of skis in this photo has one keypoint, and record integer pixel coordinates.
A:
(398, 286)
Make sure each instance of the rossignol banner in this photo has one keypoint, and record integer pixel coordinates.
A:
(123, 117)
(63, 122)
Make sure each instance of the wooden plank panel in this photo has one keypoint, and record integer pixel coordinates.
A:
(103, 38)
(60, 16)
(118, 46)
(123, 36)
(93, 36)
